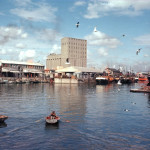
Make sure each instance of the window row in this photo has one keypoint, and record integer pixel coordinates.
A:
(22, 66)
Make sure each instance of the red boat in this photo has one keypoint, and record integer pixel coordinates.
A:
(3, 118)
(142, 78)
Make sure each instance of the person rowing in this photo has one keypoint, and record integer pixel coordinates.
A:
(53, 114)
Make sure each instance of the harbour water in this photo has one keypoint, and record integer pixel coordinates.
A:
(92, 117)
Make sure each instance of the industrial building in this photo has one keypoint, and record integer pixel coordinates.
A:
(73, 53)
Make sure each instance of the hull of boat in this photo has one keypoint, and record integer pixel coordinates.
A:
(3, 118)
(143, 79)
(52, 120)
(101, 80)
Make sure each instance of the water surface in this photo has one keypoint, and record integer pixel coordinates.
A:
(92, 117)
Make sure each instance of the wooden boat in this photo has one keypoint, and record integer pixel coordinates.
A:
(52, 119)
(3, 118)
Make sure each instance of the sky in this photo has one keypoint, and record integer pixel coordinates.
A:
(32, 29)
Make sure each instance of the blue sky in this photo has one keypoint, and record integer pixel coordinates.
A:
(32, 29)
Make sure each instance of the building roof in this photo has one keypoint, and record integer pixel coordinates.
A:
(78, 70)
(20, 63)
(113, 69)
(73, 38)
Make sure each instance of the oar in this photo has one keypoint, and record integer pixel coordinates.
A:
(39, 120)
(67, 121)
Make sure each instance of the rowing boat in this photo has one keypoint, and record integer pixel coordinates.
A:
(3, 118)
(52, 119)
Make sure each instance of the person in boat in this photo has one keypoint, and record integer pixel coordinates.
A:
(53, 114)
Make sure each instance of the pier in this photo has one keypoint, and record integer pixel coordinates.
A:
(145, 89)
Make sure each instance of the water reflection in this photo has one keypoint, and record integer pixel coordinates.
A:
(51, 126)
(148, 95)
(92, 117)
(70, 99)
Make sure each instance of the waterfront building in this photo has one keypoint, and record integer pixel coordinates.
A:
(20, 69)
(113, 72)
(76, 74)
(73, 53)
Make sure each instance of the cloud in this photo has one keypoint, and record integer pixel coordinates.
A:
(56, 49)
(77, 4)
(24, 35)
(2, 51)
(102, 51)
(100, 8)
(48, 35)
(20, 45)
(146, 55)
(10, 33)
(25, 55)
(26, 46)
(101, 39)
(143, 40)
(37, 12)
(23, 3)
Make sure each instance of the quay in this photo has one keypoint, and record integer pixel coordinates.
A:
(145, 89)
(140, 90)
(13, 80)
(14, 72)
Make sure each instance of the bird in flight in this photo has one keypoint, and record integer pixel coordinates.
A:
(123, 35)
(77, 25)
(139, 49)
(137, 52)
(95, 30)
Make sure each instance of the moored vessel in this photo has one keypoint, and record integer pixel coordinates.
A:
(101, 80)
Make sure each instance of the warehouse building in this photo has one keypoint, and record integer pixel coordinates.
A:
(20, 69)
(73, 53)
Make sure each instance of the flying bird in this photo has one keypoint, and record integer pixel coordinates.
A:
(95, 30)
(77, 25)
(137, 52)
(123, 35)
(139, 49)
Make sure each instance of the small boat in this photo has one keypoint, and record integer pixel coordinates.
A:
(52, 119)
(102, 80)
(3, 118)
(142, 78)
(136, 79)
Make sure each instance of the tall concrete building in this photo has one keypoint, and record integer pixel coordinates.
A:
(73, 53)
